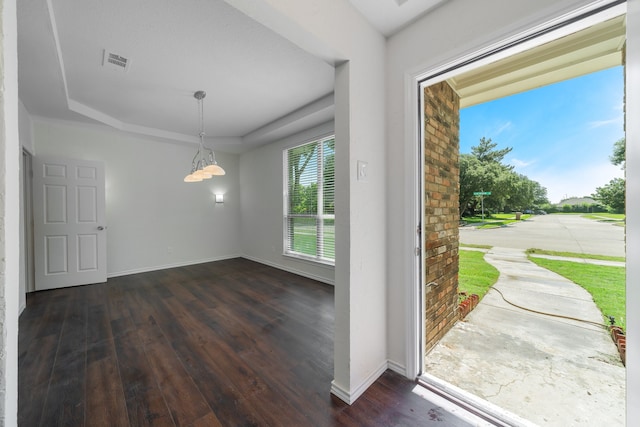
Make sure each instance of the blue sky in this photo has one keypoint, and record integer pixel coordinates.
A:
(562, 135)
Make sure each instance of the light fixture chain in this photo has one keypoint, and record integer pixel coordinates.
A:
(202, 115)
(202, 167)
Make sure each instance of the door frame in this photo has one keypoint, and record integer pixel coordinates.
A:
(26, 218)
(414, 87)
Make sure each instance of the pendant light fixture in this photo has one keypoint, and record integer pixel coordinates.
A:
(203, 165)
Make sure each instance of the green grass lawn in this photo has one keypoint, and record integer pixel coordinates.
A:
(615, 219)
(605, 284)
(493, 220)
(574, 255)
(476, 275)
(605, 215)
(509, 216)
(304, 237)
(471, 245)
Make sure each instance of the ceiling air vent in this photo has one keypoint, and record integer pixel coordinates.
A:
(114, 61)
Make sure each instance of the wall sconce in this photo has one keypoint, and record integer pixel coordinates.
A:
(219, 198)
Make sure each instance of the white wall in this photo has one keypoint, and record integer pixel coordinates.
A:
(633, 206)
(335, 31)
(9, 215)
(26, 128)
(261, 181)
(454, 30)
(154, 219)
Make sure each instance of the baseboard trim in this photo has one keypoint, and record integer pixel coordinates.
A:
(291, 270)
(340, 392)
(398, 368)
(349, 397)
(222, 258)
(360, 389)
(167, 266)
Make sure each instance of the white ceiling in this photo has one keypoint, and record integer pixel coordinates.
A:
(389, 16)
(260, 87)
(252, 76)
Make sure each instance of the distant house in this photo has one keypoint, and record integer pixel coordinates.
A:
(577, 201)
(579, 204)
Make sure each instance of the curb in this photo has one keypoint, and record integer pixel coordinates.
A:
(467, 304)
(620, 340)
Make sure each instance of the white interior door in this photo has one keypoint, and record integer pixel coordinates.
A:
(69, 222)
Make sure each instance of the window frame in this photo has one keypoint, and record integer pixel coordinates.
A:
(319, 217)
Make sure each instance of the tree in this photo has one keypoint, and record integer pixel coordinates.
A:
(504, 184)
(304, 178)
(483, 170)
(486, 152)
(539, 194)
(307, 201)
(472, 178)
(618, 157)
(612, 194)
(299, 159)
(329, 165)
(521, 193)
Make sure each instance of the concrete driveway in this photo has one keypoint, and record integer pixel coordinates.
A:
(571, 233)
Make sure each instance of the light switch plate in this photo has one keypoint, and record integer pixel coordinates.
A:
(363, 171)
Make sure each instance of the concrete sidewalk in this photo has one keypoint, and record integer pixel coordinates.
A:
(549, 370)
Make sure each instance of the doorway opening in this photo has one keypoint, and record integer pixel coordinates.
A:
(581, 46)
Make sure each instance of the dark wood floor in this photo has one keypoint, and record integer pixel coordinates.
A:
(231, 343)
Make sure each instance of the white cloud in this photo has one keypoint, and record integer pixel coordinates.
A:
(502, 128)
(521, 163)
(600, 123)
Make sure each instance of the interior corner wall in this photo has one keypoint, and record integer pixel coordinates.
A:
(450, 32)
(357, 51)
(26, 143)
(261, 181)
(26, 128)
(154, 219)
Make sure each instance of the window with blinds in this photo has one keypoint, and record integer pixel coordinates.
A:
(309, 212)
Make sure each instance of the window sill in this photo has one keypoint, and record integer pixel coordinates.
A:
(310, 260)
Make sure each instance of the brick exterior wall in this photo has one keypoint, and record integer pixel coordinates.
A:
(441, 211)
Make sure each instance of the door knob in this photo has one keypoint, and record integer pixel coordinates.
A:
(100, 228)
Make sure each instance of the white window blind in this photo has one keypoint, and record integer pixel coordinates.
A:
(309, 200)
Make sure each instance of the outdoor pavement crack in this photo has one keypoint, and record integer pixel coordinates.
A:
(548, 379)
(501, 386)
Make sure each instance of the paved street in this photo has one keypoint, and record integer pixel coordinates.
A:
(570, 233)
